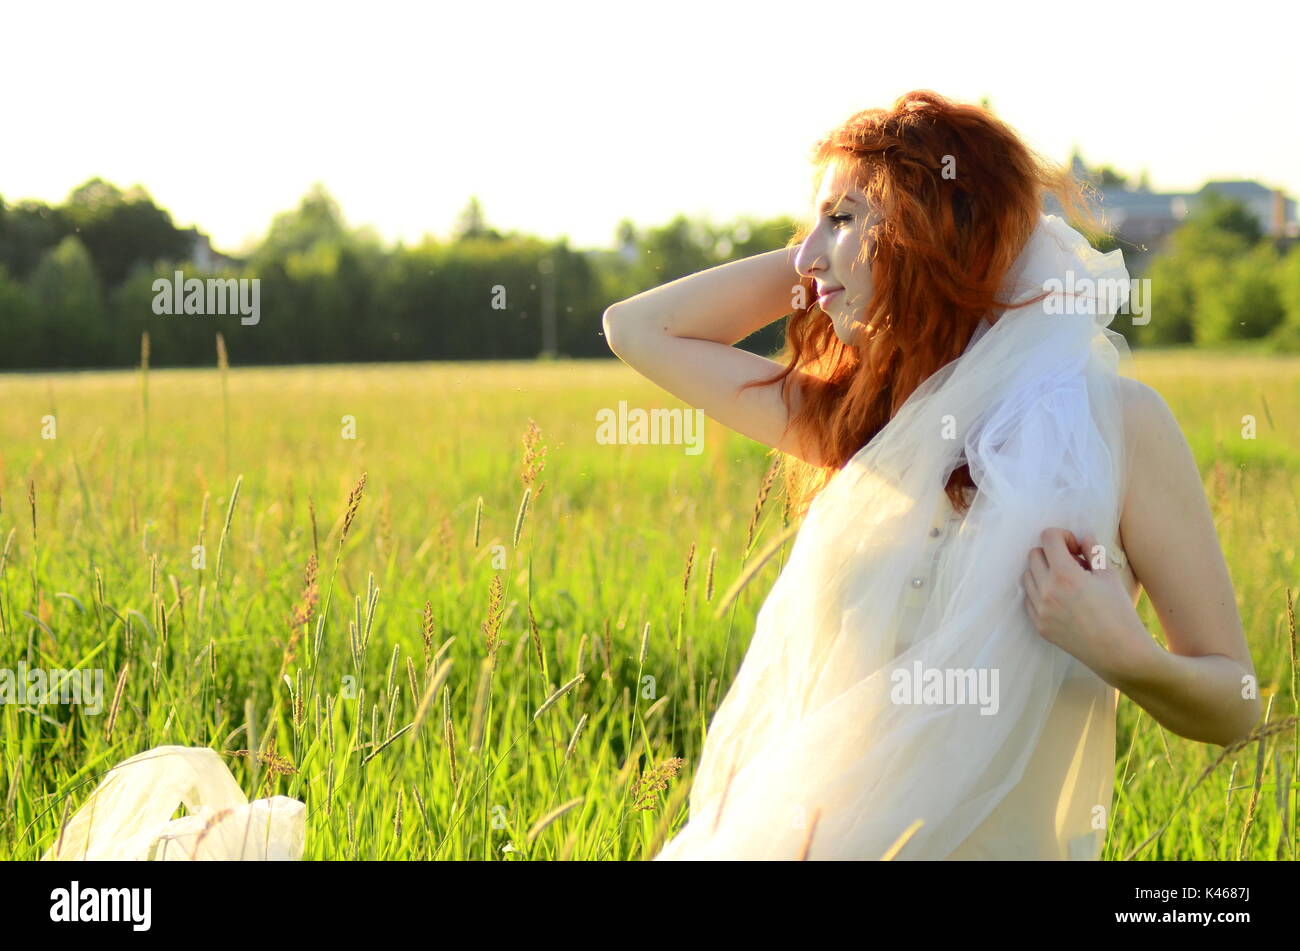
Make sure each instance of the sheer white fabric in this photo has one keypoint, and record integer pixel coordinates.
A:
(1075, 754)
(129, 815)
(819, 750)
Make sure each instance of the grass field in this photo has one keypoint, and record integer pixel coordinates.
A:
(601, 589)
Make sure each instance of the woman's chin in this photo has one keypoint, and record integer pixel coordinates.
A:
(855, 333)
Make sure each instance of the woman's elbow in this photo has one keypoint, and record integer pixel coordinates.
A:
(1244, 724)
(620, 328)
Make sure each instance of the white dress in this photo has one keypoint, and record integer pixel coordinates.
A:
(1060, 809)
(849, 732)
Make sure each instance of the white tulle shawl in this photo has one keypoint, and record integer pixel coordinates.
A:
(128, 817)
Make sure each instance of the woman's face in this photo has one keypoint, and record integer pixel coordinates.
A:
(833, 251)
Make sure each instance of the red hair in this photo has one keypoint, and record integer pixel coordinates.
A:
(939, 253)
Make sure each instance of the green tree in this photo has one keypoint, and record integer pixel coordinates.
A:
(1217, 212)
(1286, 336)
(317, 218)
(68, 327)
(121, 229)
(1209, 285)
(17, 348)
(1173, 302)
(472, 224)
(27, 230)
(1237, 298)
(1107, 177)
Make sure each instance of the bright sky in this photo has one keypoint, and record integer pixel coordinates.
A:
(565, 117)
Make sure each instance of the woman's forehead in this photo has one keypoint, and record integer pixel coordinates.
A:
(837, 183)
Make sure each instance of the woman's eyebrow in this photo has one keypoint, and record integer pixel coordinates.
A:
(831, 203)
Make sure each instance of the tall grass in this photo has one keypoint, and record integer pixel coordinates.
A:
(472, 631)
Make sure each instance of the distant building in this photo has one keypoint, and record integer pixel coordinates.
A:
(203, 255)
(1142, 220)
(1275, 212)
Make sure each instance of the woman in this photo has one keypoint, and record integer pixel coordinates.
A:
(935, 672)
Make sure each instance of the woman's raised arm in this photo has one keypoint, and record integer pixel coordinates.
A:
(682, 336)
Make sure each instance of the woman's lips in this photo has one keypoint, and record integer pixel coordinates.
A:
(824, 298)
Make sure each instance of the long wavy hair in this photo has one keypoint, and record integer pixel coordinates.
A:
(957, 194)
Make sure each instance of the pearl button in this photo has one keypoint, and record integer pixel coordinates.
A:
(934, 533)
(917, 582)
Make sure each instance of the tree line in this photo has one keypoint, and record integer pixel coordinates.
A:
(79, 285)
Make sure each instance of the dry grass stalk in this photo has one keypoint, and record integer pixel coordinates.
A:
(645, 793)
(492, 626)
(534, 458)
(354, 502)
(764, 488)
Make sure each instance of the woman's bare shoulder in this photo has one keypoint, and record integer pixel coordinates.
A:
(1144, 409)
(1138, 395)
(1163, 490)
(1146, 417)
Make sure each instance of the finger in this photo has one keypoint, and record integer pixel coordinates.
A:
(1104, 560)
(1090, 554)
(1078, 551)
(1031, 587)
(1054, 548)
(1033, 615)
(1038, 567)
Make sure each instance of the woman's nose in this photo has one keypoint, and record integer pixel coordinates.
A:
(810, 260)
